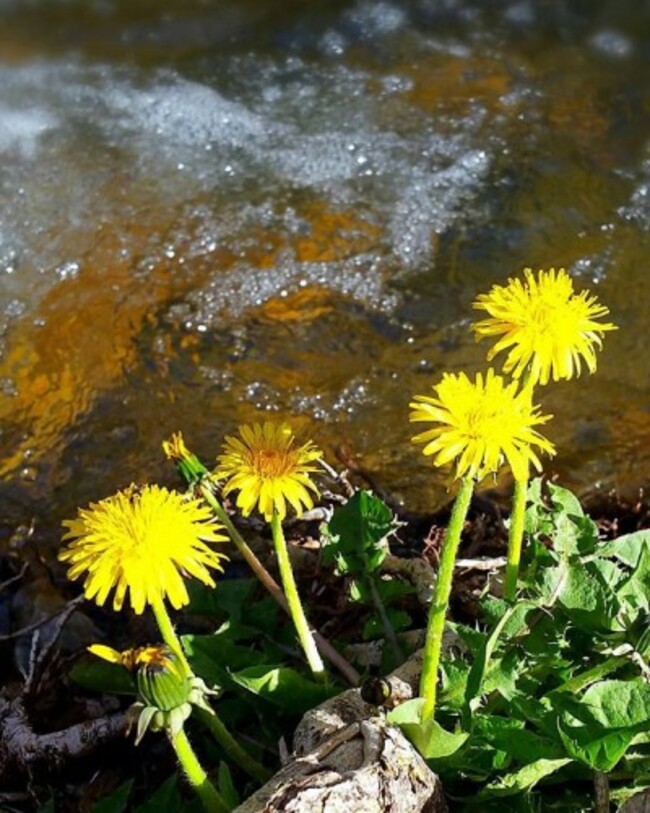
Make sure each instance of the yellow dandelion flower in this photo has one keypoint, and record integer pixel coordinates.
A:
(268, 470)
(175, 448)
(143, 540)
(549, 329)
(132, 659)
(480, 425)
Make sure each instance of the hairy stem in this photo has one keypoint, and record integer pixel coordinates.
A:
(324, 646)
(196, 776)
(293, 600)
(440, 600)
(169, 633)
(516, 530)
(515, 538)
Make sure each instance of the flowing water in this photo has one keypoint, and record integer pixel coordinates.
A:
(218, 212)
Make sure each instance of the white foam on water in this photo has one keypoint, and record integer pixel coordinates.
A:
(612, 43)
(186, 113)
(20, 130)
(293, 129)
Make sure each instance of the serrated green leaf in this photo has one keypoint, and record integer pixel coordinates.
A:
(598, 727)
(502, 673)
(601, 753)
(284, 687)
(634, 591)
(215, 656)
(608, 573)
(627, 548)
(618, 703)
(565, 536)
(515, 738)
(525, 778)
(453, 682)
(511, 623)
(356, 532)
(564, 499)
(585, 600)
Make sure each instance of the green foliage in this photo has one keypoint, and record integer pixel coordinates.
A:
(431, 739)
(355, 542)
(554, 686)
(226, 786)
(247, 659)
(166, 797)
(116, 802)
(356, 535)
(101, 676)
(284, 687)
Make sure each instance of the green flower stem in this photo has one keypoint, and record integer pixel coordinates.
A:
(440, 600)
(516, 530)
(344, 667)
(231, 747)
(515, 538)
(169, 633)
(221, 733)
(389, 630)
(293, 600)
(196, 776)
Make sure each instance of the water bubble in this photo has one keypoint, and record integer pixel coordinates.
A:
(29, 473)
(15, 307)
(612, 43)
(8, 387)
(68, 270)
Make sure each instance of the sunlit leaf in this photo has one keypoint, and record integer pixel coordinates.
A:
(356, 532)
(599, 726)
(628, 548)
(431, 740)
(525, 778)
(215, 656)
(284, 687)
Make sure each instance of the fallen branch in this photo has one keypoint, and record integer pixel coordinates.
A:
(21, 749)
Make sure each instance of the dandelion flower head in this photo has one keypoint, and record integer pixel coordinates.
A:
(268, 469)
(145, 541)
(480, 425)
(157, 656)
(548, 329)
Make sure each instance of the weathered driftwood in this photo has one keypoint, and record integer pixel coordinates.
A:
(22, 749)
(346, 758)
